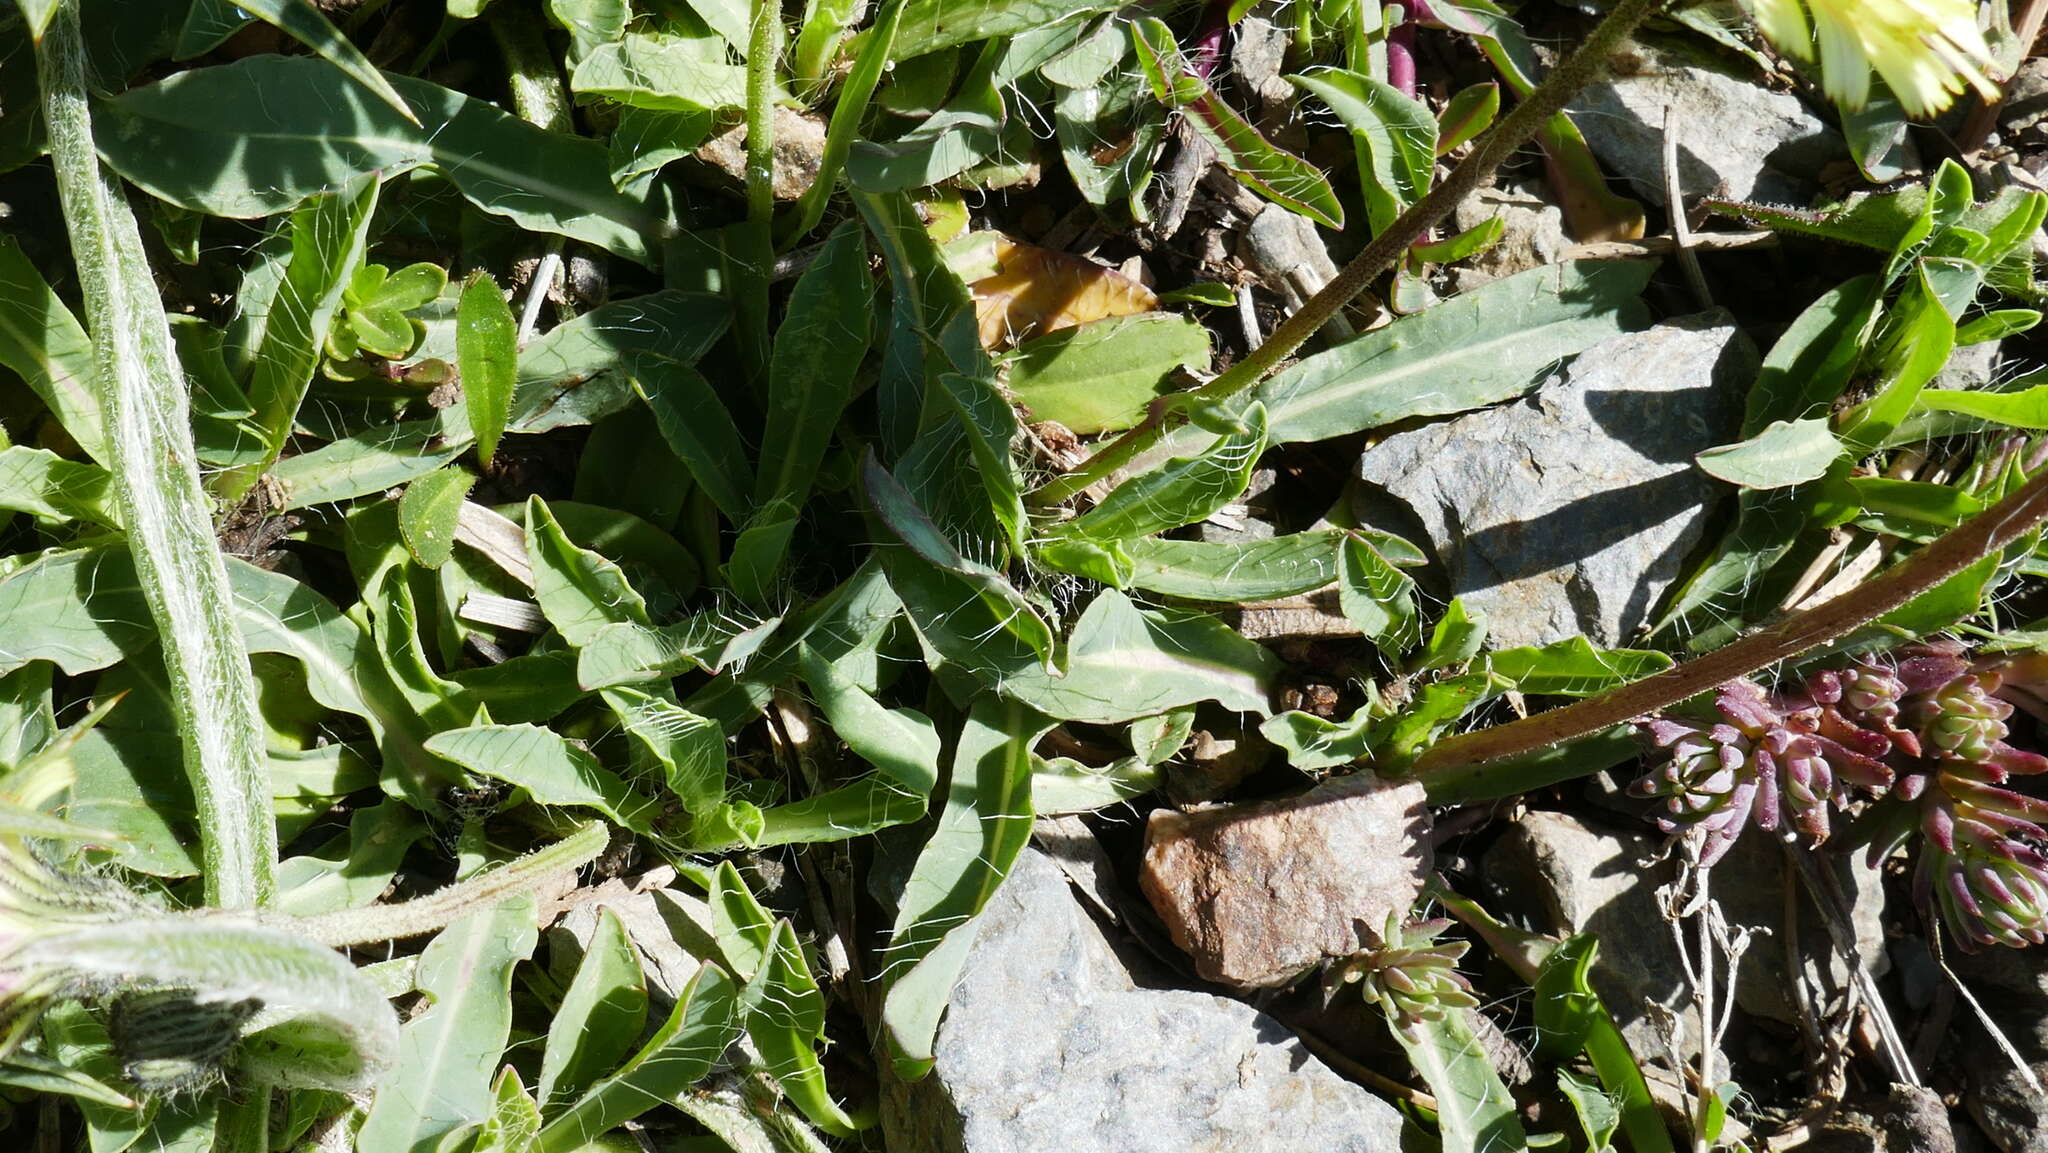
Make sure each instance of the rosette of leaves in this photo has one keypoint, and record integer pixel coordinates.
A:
(1922, 725)
(1411, 976)
(376, 308)
(1780, 760)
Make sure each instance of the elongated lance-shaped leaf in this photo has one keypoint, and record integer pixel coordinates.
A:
(323, 1024)
(786, 1021)
(319, 129)
(1278, 175)
(902, 743)
(991, 425)
(156, 472)
(45, 346)
(328, 236)
(680, 1054)
(300, 20)
(600, 1017)
(818, 349)
(986, 822)
(446, 1055)
(848, 111)
(487, 353)
(1475, 1113)
(1180, 492)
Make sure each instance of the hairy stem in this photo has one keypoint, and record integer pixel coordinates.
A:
(1572, 73)
(440, 909)
(1958, 549)
(156, 471)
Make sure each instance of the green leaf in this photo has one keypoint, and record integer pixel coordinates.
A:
(742, 928)
(681, 1053)
(1004, 605)
(1475, 349)
(1458, 635)
(985, 824)
(487, 354)
(902, 743)
(303, 22)
(1395, 136)
(1100, 376)
(354, 868)
(1376, 596)
(328, 236)
(690, 748)
(428, 511)
(1919, 336)
(2027, 408)
(1279, 176)
(45, 345)
(663, 72)
(1782, 455)
(320, 131)
(698, 429)
(1469, 112)
(754, 569)
(515, 1118)
(48, 487)
(712, 642)
(1180, 492)
(818, 350)
(990, 425)
(442, 1080)
(1475, 1113)
(786, 1022)
(600, 1017)
(932, 25)
(1233, 572)
(1598, 1115)
(579, 591)
(1566, 1008)
(1572, 667)
(551, 769)
(1313, 743)
(1125, 662)
(1525, 953)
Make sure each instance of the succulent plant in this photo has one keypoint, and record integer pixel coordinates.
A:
(1922, 725)
(1778, 761)
(1412, 976)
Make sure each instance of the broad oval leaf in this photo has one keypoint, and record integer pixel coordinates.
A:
(1782, 455)
(189, 140)
(1100, 376)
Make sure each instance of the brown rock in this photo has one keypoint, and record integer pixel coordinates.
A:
(1257, 894)
(799, 151)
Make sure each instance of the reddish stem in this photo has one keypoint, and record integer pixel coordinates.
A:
(1209, 43)
(1401, 56)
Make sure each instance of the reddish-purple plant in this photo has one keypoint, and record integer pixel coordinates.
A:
(1923, 725)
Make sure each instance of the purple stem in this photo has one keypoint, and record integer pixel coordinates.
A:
(1209, 44)
(1401, 57)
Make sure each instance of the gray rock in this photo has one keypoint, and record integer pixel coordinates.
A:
(1534, 233)
(2012, 985)
(1569, 512)
(1576, 878)
(1736, 138)
(1048, 1045)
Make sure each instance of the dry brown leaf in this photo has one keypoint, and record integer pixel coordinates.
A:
(1036, 290)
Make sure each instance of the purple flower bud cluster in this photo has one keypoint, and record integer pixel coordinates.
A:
(1922, 725)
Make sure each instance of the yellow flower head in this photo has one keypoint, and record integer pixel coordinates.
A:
(1928, 51)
